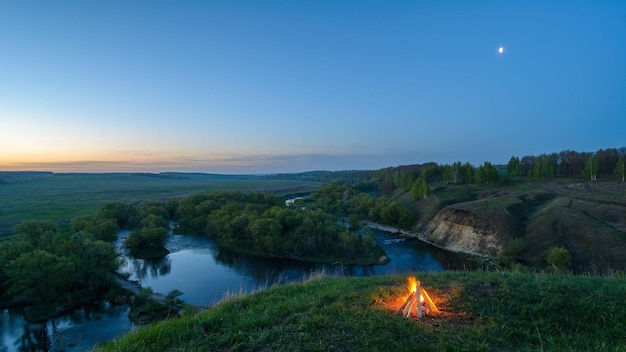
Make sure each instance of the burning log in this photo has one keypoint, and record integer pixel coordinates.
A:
(425, 305)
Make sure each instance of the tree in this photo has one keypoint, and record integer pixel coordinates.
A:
(543, 168)
(468, 173)
(406, 180)
(93, 260)
(37, 232)
(619, 170)
(38, 277)
(126, 215)
(512, 167)
(419, 189)
(607, 160)
(486, 174)
(432, 173)
(591, 168)
(152, 221)
(102, 228)
(453, 173)
(147, 242)
(526, 164)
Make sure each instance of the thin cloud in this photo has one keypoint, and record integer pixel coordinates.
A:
(211, 163)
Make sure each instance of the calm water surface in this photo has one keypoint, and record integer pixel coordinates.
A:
(205, 274)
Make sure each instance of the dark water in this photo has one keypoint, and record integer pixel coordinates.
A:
(205, 274)
(79, 331)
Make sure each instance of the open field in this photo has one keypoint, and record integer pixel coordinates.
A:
(61, 197)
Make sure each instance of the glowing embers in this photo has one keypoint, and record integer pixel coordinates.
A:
(418, 302)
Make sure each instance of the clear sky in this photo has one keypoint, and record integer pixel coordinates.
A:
(289, 86)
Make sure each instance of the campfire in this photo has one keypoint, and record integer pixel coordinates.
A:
(418, 302)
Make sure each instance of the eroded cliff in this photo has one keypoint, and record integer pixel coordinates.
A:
(464, 231)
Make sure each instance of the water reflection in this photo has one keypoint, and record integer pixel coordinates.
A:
(78, 331)
(206, 273)
(34, 338)
(143, 268)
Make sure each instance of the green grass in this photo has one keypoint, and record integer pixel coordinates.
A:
(482, 311)
(455, 194)
(61, 197)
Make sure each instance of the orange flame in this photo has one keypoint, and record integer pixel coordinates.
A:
(412, 286)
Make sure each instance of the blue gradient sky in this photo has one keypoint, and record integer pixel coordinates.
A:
(288, 86)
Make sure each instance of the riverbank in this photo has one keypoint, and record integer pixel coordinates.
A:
(483, 259)
(135, 289)
(390, 229)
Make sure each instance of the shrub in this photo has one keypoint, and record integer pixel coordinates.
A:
(559, 257)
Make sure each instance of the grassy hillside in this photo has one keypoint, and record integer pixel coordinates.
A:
(61, 197)
(481, 311)
(588, 219)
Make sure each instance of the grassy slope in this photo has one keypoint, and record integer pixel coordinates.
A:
(482, 311)
(61, 197)
(587, 219)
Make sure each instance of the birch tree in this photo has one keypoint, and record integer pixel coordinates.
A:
(619, 170)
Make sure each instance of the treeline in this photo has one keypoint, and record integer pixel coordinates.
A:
(261, 224)
(350, 176)
(46, 268)
(416, 178)
(604, 163)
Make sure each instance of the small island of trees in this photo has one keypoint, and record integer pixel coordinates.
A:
(260, 224)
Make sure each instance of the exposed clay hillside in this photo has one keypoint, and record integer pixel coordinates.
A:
(465, 231)
(522, 221)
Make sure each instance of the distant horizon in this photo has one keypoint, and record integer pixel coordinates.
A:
(234, 172)
(281, 86)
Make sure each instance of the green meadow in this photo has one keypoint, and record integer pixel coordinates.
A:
(480, 311)
(62, 197)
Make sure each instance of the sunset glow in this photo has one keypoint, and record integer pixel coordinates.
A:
(242, 88)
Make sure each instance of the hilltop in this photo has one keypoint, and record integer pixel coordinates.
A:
(521, 221)
(481, 311)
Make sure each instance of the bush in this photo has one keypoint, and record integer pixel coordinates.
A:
(559, 257)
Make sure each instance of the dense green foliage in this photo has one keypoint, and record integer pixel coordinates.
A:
(419, 189)
(586, 165)
(347, 201)
(482, 311)
(46, 267)
(261, 224)
(150, 223)
(147, 242)
(102, 228)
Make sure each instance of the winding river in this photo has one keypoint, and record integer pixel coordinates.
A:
(205, 273)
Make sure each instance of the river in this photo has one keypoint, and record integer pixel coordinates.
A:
(205, 273)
